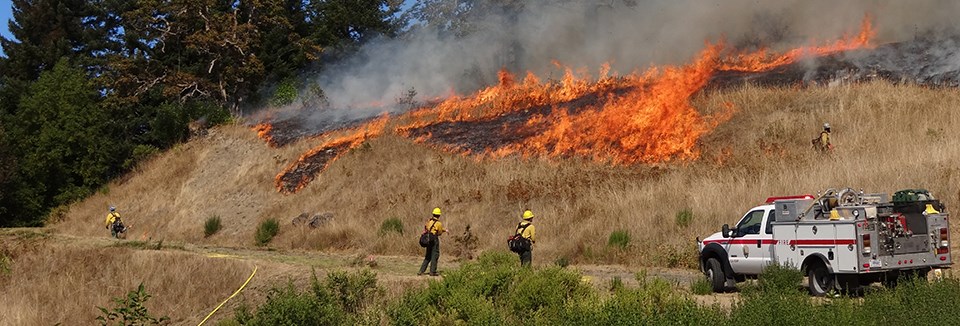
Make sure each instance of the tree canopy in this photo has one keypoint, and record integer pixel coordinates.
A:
(89, 87)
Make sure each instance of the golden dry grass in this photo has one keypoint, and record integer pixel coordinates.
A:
(888, 137)
(49, 283)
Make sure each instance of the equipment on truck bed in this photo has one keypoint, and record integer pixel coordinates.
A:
(840, 239)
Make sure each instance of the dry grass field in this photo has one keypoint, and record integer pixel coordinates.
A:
(888, 137)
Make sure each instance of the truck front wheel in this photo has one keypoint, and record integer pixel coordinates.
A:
(715, 275)
(820, 280)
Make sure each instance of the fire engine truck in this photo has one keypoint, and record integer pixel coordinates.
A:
(840, 240)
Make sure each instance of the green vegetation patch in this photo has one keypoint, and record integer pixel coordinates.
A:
(391, 225)
(211, 226)
(619, 239)
(266, 231)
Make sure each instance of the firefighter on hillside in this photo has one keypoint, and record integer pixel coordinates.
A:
(433, 226)
(114, 223)
(526, 230)
(822, 143)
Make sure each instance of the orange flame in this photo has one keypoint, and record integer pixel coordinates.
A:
(652, 122)
(638, 118)
(263, 131)
(298, 174)
(761, 60)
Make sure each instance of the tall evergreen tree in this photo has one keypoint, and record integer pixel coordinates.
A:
(64, 148)
(46, 30)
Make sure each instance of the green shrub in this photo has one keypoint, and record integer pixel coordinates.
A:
(619, 239)
(130, 310)
(211, 226)
(780, 279)
(562, 261)
(655, 302)
(289, 306)
(353, 292)
(616, 284)
(285, 93)
(266, 231)
(391, 225)
(684, 218)
(701, 287)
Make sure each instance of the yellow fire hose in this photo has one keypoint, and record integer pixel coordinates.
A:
(230, 297)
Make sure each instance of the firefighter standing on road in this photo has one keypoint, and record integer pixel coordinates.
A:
(822, 143)
(113, 222)
(526, 230)
(433, 226)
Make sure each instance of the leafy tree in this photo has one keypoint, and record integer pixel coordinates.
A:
(64, 149)
(350, 23)
(461, 17)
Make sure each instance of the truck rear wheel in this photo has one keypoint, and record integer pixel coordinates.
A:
(820, 281)
(715, 275)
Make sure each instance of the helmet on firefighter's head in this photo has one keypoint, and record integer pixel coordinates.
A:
(527, 215)
(113, 208)
(826, 126)
(436, 212)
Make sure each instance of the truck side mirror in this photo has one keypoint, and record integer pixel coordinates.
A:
(725, 230)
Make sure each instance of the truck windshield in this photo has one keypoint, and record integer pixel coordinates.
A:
(750, 224)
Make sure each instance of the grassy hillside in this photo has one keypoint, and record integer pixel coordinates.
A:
(887, 137)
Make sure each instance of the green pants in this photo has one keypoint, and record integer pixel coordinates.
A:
(433, 253)
(526, 258)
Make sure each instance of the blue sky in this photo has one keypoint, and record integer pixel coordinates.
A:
(5, 6)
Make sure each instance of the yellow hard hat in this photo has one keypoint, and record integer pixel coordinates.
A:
(436, 211)
(931, 210)
(527, 214)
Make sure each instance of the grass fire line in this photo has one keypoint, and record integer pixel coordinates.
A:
(639, 118)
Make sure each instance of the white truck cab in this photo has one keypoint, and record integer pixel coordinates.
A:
(840, 240)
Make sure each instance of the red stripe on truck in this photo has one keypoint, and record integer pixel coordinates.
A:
(823, 242)
(741, 241)
(801, 242)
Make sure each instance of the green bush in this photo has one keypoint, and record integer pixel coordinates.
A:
(289, 306)
(353, 292)
(562, 261)
(266, 231)
(616, 284)
(684, 218)
(130, 310)
(701, 287)
(619, 239)
(211, 226)
(140, 153)
(780, 279)
(285, 93)
(391, 225)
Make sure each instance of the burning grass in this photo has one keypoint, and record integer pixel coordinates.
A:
(643, 117)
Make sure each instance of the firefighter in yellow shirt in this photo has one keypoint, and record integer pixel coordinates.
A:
(822, 143)
(433, 226)
(526, 230)
(113, 222)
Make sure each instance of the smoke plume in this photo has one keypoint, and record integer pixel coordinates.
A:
(629, 35)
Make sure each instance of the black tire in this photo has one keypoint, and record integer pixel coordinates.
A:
(819, 280)
(849, 284)
(715, 275)
(891, 279)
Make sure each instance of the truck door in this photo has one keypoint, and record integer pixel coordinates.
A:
(750, 249)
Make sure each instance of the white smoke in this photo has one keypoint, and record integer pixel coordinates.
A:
(586, 34)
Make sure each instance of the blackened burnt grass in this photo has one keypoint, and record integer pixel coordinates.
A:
(494, 291)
